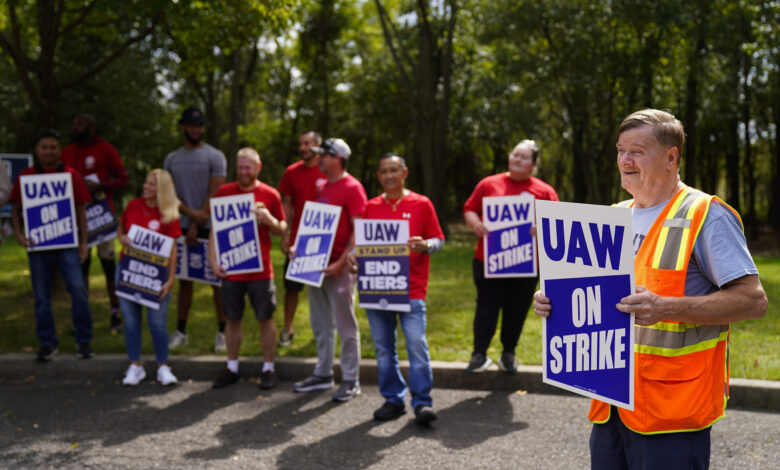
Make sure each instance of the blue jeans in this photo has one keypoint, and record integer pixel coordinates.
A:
(391, 383)
(42, 264)
(132, 314)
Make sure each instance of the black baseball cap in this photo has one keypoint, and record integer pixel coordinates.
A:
(191, 115)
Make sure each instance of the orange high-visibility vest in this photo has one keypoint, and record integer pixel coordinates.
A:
(681, 376)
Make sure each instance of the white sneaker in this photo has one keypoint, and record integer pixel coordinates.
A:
(178, 339)
(165, 376)
(219, 343)
(134, 375)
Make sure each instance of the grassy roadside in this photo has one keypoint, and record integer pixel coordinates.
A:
(755, 351)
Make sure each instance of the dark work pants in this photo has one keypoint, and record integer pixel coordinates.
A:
(614, 447)
(511, 295)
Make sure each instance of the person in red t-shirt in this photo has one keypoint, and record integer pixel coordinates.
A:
(67, 260)
(512, 295)
(425, 238)
(258, 285)
(333, 303)
(299, 184)
(99, 164)
(157, 210)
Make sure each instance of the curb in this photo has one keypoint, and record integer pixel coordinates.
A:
(747, 394)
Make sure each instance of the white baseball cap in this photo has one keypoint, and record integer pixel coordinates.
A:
(334, 146)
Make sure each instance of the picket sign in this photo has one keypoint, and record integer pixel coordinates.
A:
(509, 248)
(143, 267)
(101, 223)
(314, 242)
(382, 251)
(49, 211)
(586, 263)
(237, 242)
(192, 262)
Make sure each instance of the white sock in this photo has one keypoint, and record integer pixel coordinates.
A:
(268, 366)
(232, 365)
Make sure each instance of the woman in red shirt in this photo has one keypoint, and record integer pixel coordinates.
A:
(157, 210)
(511, 295)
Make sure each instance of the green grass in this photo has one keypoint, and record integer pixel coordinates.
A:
(755, 351)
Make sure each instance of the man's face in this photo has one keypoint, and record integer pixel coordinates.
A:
(646, 166)
(305, 143)
(81, 130)
(391, 174)
(329, 163)
(193, 133)
(521, 163)
(247, 170)
(48, 151)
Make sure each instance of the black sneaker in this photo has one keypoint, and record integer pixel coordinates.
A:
(84, 351)
(285, 338)
(46, 353)
(423, 415)
(507, 363)
(267, 380)
(225, 378)
(389, 411)
(315, 382)
(479, 362)
(348, 390)
(116, 324)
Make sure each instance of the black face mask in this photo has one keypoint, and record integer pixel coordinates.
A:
(192, 140)
(80, 137)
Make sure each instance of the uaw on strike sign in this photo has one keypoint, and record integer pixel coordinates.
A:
(382, 251)
(143, 268)
(586, 263)
(192, 262)
(314, 242)
(235, 233)
(49, 211)
(509, 247)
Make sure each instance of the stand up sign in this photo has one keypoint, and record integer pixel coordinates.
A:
(586, 263)
(314, 242)
(382, 252)
(49, 211)
(143, 268)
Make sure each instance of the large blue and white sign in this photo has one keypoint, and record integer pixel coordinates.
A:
(235, 233)
(49, 212)
(192, 262)
(382, 251)
(509, 247)
(314, 242)
(101, 223)
(143, 268)
(586, 262)
(14, 163)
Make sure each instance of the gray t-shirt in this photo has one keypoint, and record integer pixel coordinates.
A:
(720, 254)
(192, 169)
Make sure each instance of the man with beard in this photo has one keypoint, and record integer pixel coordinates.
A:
(99, 164)
(300, 183)
(198, 169)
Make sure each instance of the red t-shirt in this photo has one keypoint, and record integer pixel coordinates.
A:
(273, 202)
(301, 183)
(350, 195)
(99, 158)
(81, 194)
(138, 213)
(503, 185)
(423, 222)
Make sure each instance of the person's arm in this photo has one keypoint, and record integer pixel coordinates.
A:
(289, 214)
(166, 287)
(474, 221)
(81, 219)
(334, 268)
(16, 220)
(741, 299)
(122, 236)
(264, 217)
(5, 184)
(118, 178)
(216, 268)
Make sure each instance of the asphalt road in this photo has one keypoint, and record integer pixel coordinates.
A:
(47, 423)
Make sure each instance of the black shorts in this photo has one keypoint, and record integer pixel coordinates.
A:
(262, 298)
(288, 284)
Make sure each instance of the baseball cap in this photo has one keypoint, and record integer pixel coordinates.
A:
(191, 115)
(334, 146)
